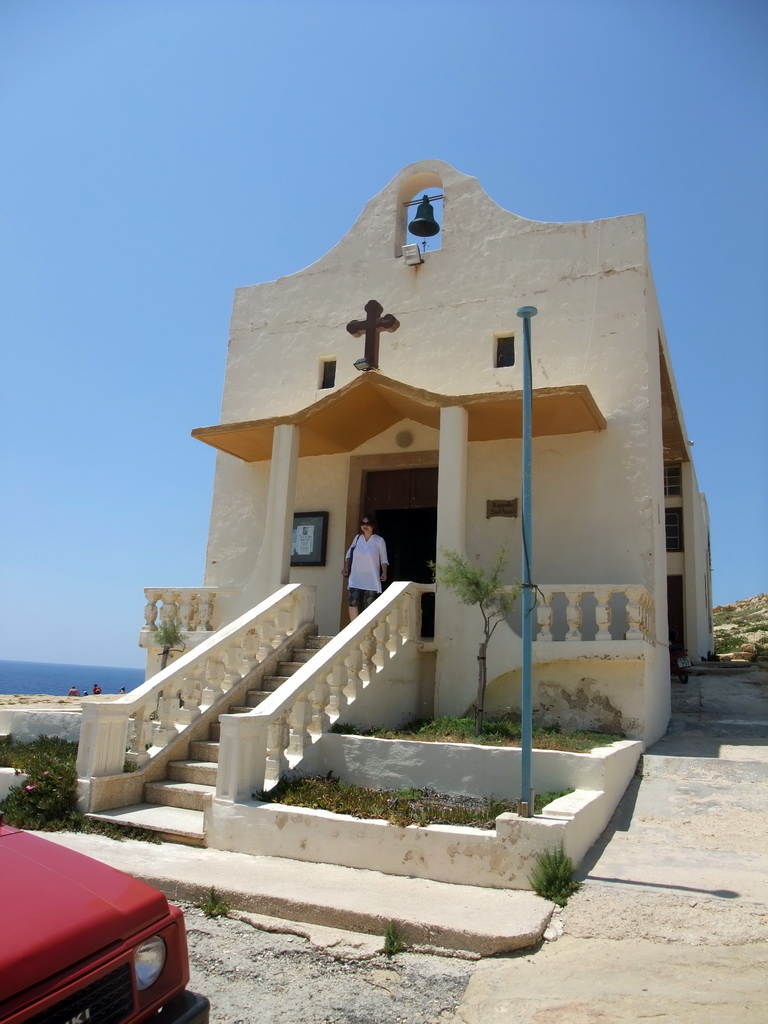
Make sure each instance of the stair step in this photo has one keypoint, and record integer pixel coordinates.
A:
(273, 682)
(189, 795)
(204, 750)
(174, 824)
(197, 772)
(289, 668)
(255, 697)
(316, 643)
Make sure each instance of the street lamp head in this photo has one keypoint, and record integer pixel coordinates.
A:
(527, 311)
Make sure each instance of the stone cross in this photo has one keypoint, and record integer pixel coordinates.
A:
(371, 327)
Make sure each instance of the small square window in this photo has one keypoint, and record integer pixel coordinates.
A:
(505, 350)
(328, 373)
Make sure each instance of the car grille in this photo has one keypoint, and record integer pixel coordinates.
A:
(107, 1001)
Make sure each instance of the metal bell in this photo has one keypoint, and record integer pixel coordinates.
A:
(424, 224)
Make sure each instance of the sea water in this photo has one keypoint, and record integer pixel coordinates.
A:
(33, 677)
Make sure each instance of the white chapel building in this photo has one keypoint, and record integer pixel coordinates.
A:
(414, 413)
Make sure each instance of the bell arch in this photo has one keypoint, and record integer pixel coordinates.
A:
(412, 188)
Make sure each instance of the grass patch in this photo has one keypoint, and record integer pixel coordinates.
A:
(46, 800)
(398, 807)
(394, 940)
(499, 732)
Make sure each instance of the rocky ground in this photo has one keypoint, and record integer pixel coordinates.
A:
(301, 975)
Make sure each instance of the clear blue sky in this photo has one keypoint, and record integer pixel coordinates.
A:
(156, 154)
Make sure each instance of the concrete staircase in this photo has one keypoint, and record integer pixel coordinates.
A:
(174, 806)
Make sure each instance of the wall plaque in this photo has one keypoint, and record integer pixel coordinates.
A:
(501, 507)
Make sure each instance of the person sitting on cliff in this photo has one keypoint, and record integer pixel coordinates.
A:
(73, 691)
(96, 689)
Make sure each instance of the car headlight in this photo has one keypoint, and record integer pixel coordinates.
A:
(148, 961)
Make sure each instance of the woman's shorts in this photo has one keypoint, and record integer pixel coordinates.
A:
(360, 599)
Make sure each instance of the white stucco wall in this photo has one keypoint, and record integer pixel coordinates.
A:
(598, 497)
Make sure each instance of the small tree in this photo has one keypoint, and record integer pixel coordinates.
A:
(169, 636)
(473, 584)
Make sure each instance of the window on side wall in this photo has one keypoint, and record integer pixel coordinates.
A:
(673, 480)
(674, 524)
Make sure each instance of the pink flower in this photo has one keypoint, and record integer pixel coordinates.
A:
(29, 788)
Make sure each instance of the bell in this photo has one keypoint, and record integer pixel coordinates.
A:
(424, 224)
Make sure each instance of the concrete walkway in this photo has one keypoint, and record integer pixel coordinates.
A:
(436, 914)
(672, 920)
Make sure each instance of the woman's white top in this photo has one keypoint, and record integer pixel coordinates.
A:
(367, 556)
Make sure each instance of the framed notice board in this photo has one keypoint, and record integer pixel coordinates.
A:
(310, 536)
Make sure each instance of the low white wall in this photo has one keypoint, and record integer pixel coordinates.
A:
(500, 858)
(467, 769)
(9, 779)
(25, 725)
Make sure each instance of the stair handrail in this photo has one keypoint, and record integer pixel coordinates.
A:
(138, 726)
(255, 749)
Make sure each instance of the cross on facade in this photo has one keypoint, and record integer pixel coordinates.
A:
(371, 327)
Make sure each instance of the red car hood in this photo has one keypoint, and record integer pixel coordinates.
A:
(58, 907)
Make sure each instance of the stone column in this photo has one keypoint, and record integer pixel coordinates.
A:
(273, 565)
(456, 667)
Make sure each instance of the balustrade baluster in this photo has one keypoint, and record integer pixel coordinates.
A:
(393, 632)
(150, 611)
(233, 659)
(185, 609)
(381, 636)
(251, 647)
(603, 612)
(634, 632)
(320, 705)
(207, 609)
(277, 741)
(167, 716)
(169, 609)
(367, 668)
(544, 616)
(215, 675)
(352, 668)
(337, 698)
(190, 695)
(139, 737)
(298, 724)
(573, 615)
(194, 612)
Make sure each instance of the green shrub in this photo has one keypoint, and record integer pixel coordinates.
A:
(398, 807)
(46, 801)
(552, 877)
(213, 905)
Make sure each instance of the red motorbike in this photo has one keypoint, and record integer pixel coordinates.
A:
(679, 662)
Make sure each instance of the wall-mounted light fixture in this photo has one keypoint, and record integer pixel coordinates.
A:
(411, 255)
(362, 364)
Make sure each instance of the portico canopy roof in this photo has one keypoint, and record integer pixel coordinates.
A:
(371, 403)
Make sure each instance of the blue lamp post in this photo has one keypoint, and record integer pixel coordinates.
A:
(526, 794)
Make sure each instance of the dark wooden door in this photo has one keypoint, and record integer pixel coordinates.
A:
(405, 504)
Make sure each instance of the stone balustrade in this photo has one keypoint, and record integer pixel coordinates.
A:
(196, 609)
(137, 727)
(585, 612)
(257, 748)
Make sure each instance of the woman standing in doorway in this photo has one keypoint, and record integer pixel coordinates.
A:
(366, 564)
